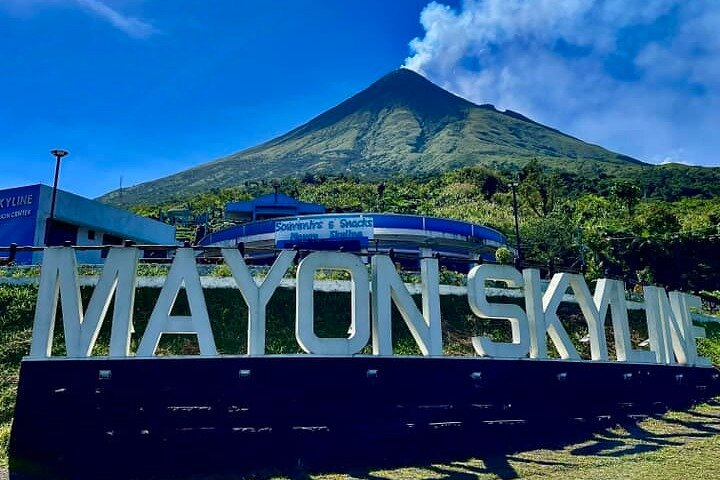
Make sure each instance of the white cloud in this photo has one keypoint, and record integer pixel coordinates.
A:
(675, 156)
(641, 78)
(132, 26)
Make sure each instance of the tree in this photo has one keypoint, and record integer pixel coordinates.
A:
(550, 241)
(503, 256)
(627, 193)
(657, 218)
(538, 189)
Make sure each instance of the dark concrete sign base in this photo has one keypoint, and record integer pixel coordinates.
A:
(101, 418)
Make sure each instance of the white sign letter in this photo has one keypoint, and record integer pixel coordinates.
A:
(484, 346)
(59, 278)
(672, 335)
(304, 307)
(183, 273)
(657, 327)
(681, 304)
(257, 296)
(387, 286)
(551, 301)
(612, 293)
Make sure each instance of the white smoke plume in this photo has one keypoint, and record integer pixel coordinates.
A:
(641, 78)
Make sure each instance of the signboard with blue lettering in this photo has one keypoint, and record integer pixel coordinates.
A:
(307, 231)
(18, 212)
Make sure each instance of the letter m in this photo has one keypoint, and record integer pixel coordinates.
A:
(58, 278)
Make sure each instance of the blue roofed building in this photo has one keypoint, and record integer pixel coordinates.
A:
(276, 221)
(272, 205)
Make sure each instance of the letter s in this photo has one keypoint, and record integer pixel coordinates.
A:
(517, 317)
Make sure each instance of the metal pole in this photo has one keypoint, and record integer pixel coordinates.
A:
(58, 154)
(514, 185)
(54, 192)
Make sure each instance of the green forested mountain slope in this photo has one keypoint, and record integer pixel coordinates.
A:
(403, 124)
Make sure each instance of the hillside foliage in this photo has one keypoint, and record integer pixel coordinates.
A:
(609, 227)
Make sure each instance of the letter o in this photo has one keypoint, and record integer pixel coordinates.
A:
(304, 306)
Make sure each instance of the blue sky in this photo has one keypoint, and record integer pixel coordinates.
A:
(140, 89)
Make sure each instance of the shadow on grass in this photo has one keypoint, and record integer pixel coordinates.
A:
(673, 429)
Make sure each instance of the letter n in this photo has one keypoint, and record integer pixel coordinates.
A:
(387, 286)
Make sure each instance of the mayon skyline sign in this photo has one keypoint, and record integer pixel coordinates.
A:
(672, 336)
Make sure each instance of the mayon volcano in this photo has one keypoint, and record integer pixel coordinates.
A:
(401, 124)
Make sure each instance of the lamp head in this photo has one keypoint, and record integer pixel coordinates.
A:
(59, 153)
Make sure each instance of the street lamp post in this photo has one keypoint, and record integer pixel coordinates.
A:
(58, 154)
(514, 186)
